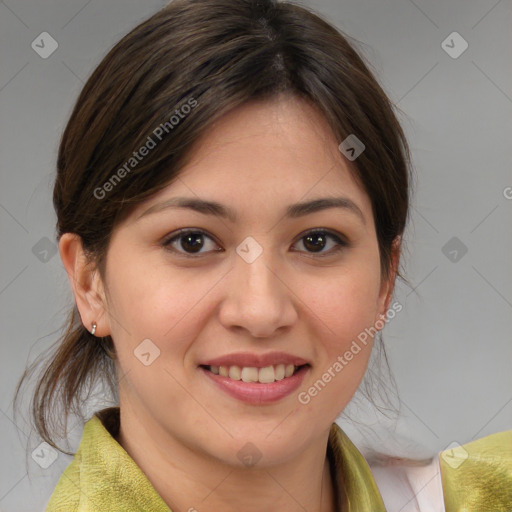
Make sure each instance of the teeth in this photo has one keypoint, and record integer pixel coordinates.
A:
(235, 372)
(264, 375)
(280, 371)
(249, 374)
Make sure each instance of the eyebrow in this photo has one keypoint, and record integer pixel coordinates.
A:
(219, 210)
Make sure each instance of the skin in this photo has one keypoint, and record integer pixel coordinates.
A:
(181, 430)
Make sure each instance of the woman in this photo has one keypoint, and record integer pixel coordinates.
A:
(232, 190)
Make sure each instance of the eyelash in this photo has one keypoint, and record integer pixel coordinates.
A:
(340, 243)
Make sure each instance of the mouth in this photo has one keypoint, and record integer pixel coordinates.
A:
(262, 375)
(257, 385)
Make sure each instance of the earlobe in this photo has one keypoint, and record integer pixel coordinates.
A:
(85, 283)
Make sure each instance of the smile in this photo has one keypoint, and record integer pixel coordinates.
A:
(265, 375)
(256, 386)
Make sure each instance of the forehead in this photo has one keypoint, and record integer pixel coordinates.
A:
(264, 154)
(284, 133)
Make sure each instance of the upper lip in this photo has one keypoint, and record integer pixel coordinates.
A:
(255, 360)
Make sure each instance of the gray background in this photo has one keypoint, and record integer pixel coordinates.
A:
(450, 347)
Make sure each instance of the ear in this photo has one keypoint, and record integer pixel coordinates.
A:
(388, 285)
(86, 284)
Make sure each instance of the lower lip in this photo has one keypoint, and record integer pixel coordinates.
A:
(256, 392)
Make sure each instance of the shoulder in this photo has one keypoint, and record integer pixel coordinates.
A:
(475, 476)
(70, 494)
(66, 495)
(478, 475)
(102, 476)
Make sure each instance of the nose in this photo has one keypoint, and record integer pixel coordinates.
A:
(258, 299)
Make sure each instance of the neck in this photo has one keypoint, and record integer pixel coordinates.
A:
(189, 480)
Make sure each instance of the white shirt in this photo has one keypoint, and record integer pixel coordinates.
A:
(410, 488)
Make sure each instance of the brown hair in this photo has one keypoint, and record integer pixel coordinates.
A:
(218, 54)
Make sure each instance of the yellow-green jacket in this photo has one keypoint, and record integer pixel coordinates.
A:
(103, 478)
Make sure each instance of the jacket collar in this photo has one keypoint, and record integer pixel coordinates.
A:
(354, 486)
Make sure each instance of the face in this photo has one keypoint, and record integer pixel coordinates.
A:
(259, 287)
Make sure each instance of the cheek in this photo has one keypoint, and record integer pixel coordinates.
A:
(155, 302)
(162, 306)
(344, 305)
(342, 314)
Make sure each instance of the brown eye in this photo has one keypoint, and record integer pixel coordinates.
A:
(188, 242)
(316, 241)
(191, 242)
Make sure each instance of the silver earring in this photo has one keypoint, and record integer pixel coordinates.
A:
(93, 330)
